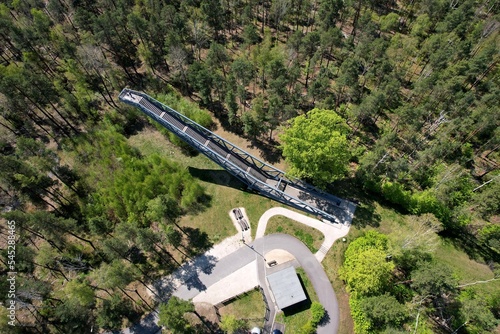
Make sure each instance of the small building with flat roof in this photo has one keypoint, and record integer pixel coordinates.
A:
(286, 288)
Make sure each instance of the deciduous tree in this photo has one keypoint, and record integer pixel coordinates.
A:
(316, 147)
(172, 315)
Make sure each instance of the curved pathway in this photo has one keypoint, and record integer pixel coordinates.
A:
(331, 231)
(245, 255)
(194, 279)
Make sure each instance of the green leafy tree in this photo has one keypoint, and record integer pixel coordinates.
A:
(384, 310)
(172, 315)
(389, 22)
(162, 209)
(310, 43)
(250, 34)
(316, 147)
(366, 269)
(232, 105)
(317, 313)
(112, 311)
(230, 324)
(201, 78)
(476, 313)
(80, 292)
(433, 280)
(368, 272)
(308, 328)
(329, 12)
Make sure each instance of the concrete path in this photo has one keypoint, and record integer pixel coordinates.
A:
(331, 231)
(252, 252)
(238, 282)
(232, 267)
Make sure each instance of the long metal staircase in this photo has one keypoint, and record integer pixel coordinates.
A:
(256, 174)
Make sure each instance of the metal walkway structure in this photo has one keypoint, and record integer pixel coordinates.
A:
(256, 174)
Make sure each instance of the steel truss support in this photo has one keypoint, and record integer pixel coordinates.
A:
(256, 174)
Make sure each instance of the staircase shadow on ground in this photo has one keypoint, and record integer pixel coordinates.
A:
(217, 176)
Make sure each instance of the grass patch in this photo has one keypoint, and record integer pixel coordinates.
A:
(311, 237)
(226, 192)
(465, 268)
(298, 315)
(249, 306)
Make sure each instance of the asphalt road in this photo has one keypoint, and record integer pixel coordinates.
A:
(215, 271)
(245, 255)
(314, 271)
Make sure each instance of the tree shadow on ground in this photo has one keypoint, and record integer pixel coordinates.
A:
(146, 325)
(325, 320)
(466, 241)
(206, 326)
(201, 205)
(198, 241)
(350, 189)
(365, 215)
(134, 121)
(269, 150)
(188, 275)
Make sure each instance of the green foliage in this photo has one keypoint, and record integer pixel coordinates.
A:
(112, 311)
(308, 328)
(365, 269)
(384, 310)
(80, 292)
(316, 147)
(136, 182)
(418, 202)
(389, 22)
(162, 208)
(395, 193)
(172, 314)
(490, 235)
(187, 108)
(317, 313)
(433, 279)
(487, 200)
(250, 34)
(117, 274)
(362, 324)
(476, 312)
(368, 273)
(230, 324)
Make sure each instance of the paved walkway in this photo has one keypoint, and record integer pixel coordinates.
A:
(241, 280)
(249, 255)
(232, 267)
(331, 231)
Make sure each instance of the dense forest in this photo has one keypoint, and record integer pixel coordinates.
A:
(398, 99)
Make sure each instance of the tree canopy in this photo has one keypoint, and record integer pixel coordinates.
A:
(404, 98)
(316, 146)
(172, 315)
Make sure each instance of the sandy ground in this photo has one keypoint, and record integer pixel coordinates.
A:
(279, 255)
